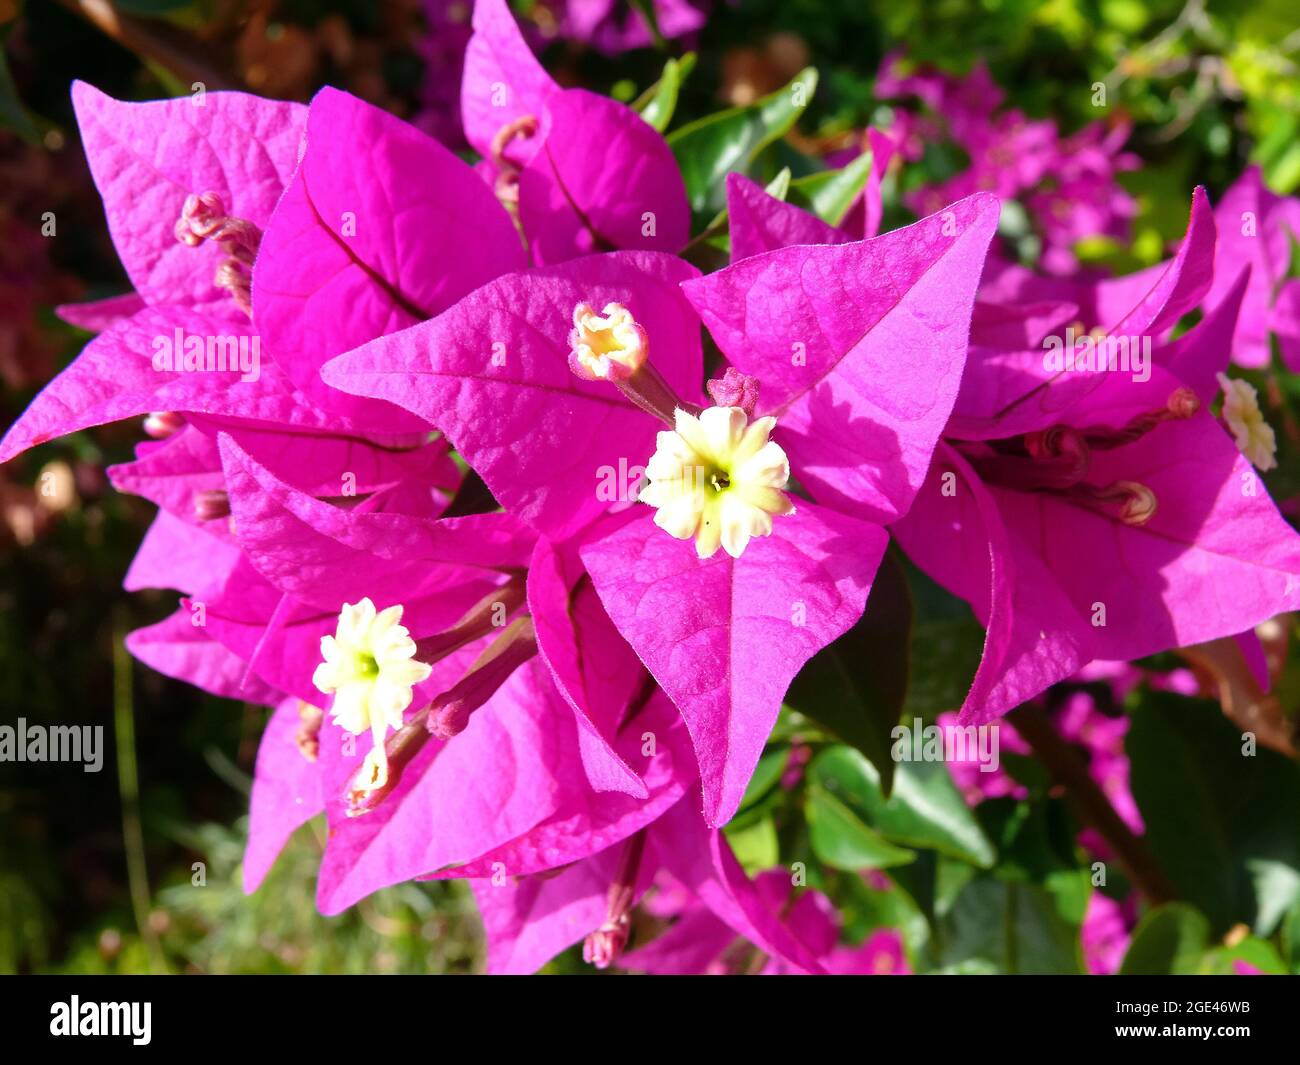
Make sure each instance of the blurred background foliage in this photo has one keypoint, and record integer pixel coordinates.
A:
(94, 878)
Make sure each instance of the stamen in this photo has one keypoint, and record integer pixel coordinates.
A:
(1181, 405)
(506, 185)
(449, 713)
(1137, 503)
(1061, 447)
(1047, 461)
(204, 217)
(605, 945)
(522, 127)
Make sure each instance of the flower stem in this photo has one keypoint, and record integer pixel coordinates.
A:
(128, 786)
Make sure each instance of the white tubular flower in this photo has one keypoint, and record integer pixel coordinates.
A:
(719, 479)
(370, 668)
(1254, 436)
(611, 347)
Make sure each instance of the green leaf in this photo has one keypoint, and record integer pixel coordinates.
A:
(830, 193)
(946, 646)
(1291, 938)
(1222, 824)
(1170, 939)
(1253, 951)
(658, 103)
(841, 839)
(864, 909)
(766, 774)
(755, 845)
(925, 809)
(1015, 928)
(856, 686)
(1034, 839)
(708, 148)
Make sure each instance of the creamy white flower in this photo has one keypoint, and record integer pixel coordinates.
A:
(606, 347)
(1241, 412)
(719, 479)
(370, 668)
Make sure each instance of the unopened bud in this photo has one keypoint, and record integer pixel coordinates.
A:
(735, 389)
(449, 713)
(161, 424)
(211, 504)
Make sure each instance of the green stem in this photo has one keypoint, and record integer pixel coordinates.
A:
(128, 786)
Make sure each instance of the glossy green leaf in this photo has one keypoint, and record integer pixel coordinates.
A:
(755, 845)
(1170, 939)
(766, 774)
(841, 839)
(1220, 822)
(659, 102)
(925, 809)
(1011, 928)
(830, 193)
(708, 148)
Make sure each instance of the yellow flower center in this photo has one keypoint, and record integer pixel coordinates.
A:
(607, 346)
(369, 667)
(718, 479)
(1253, 435)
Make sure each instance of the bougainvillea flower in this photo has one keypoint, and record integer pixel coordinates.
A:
(701, 941)
(822, 329)
(336, 268)
(1256, 228)
(260, 603)
(182, 473)
(437, 810)
(613, 27)
(1081, 522)
(547, 150)
(531, 919)
(154, 162)
(1010, 391)
(1106, 931)
(1067, 183)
